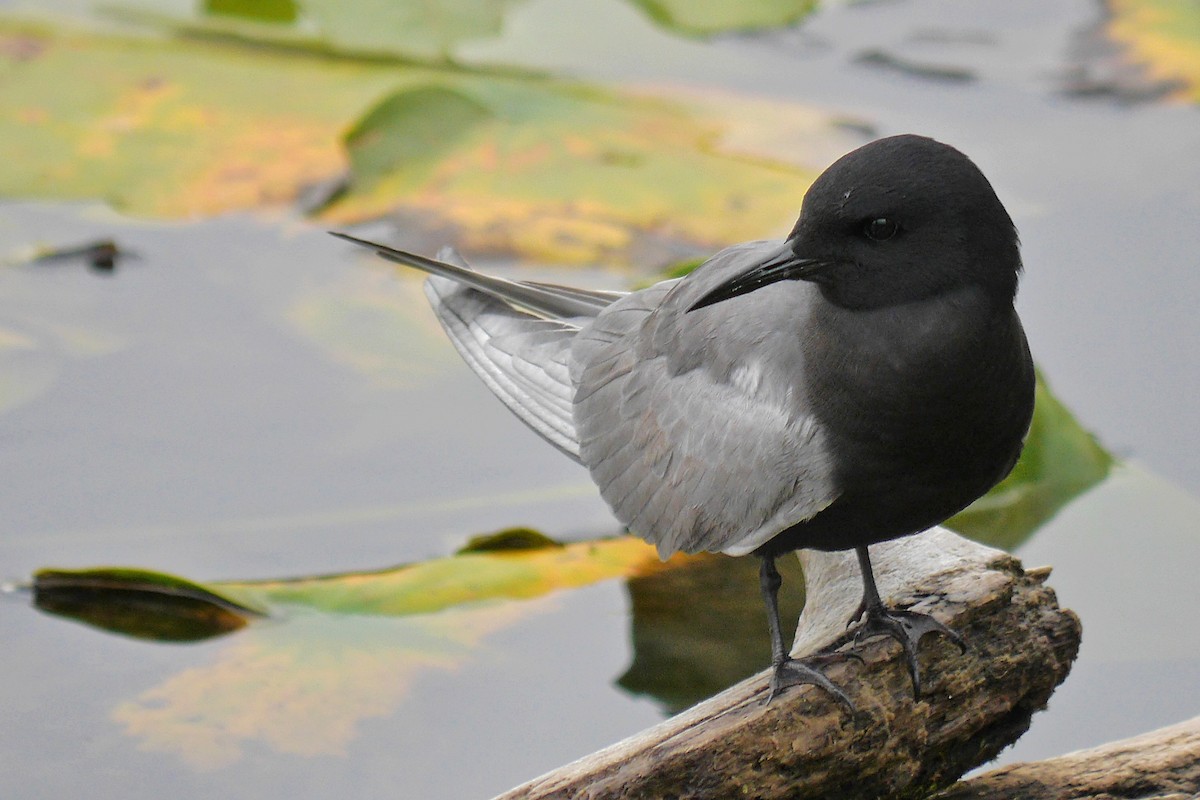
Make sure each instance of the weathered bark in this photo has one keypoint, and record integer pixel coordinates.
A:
(1021, 645)
(1160, 765)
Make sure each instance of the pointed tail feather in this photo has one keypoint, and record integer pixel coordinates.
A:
(547, 300)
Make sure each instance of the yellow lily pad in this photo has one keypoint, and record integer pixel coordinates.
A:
(468, 577)
(503, 163)
(1164, 37)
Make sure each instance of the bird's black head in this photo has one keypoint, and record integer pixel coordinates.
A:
(897, 220)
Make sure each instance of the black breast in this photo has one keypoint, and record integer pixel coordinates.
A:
(926, 407)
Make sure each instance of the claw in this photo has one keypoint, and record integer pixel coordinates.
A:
(791, 672)
(907, 628)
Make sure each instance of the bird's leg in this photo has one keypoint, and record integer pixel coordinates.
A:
(785, 670)
(906, 627)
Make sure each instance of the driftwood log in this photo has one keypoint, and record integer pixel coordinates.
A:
(804, 744)
(1161, 765)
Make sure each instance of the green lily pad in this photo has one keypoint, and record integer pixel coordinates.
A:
(404, 30)
(410, 29)
(141, 603)
(705, 17)
(411, 128)
(277, 11)
(510, 539)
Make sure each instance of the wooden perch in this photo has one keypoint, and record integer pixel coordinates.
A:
(1021, 645)
(1153, 766)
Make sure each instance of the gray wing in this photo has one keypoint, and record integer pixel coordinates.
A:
(522, 358)
(697, 439)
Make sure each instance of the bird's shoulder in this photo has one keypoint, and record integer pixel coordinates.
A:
(675, 410)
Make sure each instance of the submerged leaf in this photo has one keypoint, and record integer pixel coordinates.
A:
(368, 322)
(303, 688)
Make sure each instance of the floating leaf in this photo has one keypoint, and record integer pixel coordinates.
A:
(170, 128)
(409, 129)
(1164, 37)
(412, 29)
(141, 603)
(704, 17)
(511, 565)
(304, 687)
(501, 163)
(569, 173)
(407, 30)
(469, 577)
(510, 539)
(277, 11)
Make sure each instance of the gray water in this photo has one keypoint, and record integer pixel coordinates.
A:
(187, 414)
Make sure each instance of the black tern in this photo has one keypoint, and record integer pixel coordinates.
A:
(862, 380)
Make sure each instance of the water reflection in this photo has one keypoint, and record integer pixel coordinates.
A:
(701, 627)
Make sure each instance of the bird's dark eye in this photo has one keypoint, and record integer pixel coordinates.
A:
(880, 228)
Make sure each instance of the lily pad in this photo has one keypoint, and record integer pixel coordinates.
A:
(410, 29)
(501, 163)
(1163, 36)
(569, 173)
(471, 576)
(406, 30)
(141, 603)
(517, 564)
(705, 17)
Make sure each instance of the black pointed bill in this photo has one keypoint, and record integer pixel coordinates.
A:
(779, 265)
